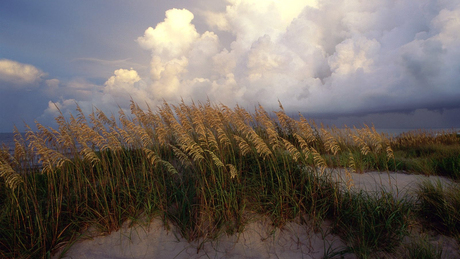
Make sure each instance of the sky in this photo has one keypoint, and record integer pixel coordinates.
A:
(391, 63)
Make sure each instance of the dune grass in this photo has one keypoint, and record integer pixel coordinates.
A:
(421, 248)
(204, 168)
(440, 206)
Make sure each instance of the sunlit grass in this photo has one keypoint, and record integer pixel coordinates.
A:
(205, 168)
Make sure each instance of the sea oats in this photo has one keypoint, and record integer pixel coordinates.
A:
(62, 123)
(89, 155)
(20, 152)
(160, 130)
(145, 137)
(5, 155)
(233, 171)
(102, 117)
(349, 179)
(261, 147)
(66, 139)
(152, 157)
(292, 150)
(137, 112)
(351, 162)
(85, 134)
(361, 144)
(181, 155)
(95, 137)
(213, 117)
(140, 117)
(223, 138)
(12, 179)
(183, 119)
(263, 118)
(171, 169)
(241, 127)
(243, 145)
(113, 140)
(319, 160)
(376, 139)
(199, 127)
(302, 142)
(305, 129)
(273, 138)
(226, 113)
(49, 158)
(195, 151)
(243, 114)
(126, 137)
(261, 115)
(213, 145)
(330, 142)
(389, 152)
(189, 146)
(215, 159)
(287, 123)
(167, 115)
(44, 133)
(81, 119)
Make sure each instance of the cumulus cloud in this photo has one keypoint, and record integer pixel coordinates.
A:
(19, 74)
(323, 57)
(320, 57)
(173, 37)
(54, 108)
(125, 84)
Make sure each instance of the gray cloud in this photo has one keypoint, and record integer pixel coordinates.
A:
(325, 58)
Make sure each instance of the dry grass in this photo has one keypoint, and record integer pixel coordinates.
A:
(201, 166)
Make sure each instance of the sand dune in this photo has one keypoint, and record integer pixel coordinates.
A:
(258, 240)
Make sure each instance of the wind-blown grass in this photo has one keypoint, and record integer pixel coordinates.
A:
(202, 167)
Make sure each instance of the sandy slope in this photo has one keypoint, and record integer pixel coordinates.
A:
(258, 240)
(399, 184)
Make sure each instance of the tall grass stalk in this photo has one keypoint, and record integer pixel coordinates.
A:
(204, 168)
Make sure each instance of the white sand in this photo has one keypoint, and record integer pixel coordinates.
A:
(399, 184)
(258, 240)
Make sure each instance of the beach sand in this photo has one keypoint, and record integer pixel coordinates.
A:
(258, 240)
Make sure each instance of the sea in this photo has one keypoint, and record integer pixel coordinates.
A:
(7, 140)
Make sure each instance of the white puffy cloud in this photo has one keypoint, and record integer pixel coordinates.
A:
(250, 19)
(322, 57)
(171, 38)
(55, 108)
(19, 74)
(124, 85)
(116, 92)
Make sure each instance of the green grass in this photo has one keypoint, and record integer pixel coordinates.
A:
(432, 159)
(440, 207)
(421, 248)
(370, 223)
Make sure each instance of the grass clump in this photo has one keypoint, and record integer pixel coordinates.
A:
(422, 248)
(430, 153)
(371, 223)
(439, 206)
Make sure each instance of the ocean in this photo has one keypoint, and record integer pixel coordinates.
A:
(7, 139)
